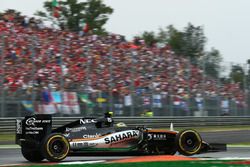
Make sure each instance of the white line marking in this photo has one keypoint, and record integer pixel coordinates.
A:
(80, 162)
(10, 165)
(240, 145)
(227, 158)
(9, 146)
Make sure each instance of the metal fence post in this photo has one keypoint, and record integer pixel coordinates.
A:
(248, 86)
(62, 76)
(171, 88)
(133, 55)
(218, 85)
(33, 54)
(189, 91)
(203, 85)
(245, 88)
(86, 85)
(2, 53)
(111, 85)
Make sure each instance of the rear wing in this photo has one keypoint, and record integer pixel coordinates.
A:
(33, 128)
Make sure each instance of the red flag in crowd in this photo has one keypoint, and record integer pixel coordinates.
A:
(86, 28)
(56, 8)
(84, 25)
(133, 46)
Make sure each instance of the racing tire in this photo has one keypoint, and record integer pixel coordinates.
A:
(188, 142)
(170, 151)
(55, 147)
(31, 154)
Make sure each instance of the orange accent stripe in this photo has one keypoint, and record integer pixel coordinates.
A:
(162, 131)
(155, 158)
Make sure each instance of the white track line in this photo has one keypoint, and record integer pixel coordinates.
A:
(226, 158)
(61, 163)
(11, 165)
(240, 145)
(9, 146)
(81, 162)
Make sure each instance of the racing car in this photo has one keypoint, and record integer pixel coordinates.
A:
(38, 140)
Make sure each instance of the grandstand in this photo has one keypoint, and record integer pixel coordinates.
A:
(41, 67)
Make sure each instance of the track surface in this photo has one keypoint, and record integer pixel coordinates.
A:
(14, 156)
(227, 137)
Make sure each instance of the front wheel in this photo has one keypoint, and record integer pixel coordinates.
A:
(170, 150)
(55, 147)
(188, 142)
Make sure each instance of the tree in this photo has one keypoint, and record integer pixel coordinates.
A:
(174, 38)
(12, 11)
(237, 75)
(194, 41)
(189, 43)
(72, 13)
(149, 38)
(248, 74)
(211, 61)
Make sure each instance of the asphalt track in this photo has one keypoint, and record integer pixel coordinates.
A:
(227, 137)
(14, 156)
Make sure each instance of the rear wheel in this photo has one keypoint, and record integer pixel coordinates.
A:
(170, 150)
(55, 147)
(160, 150)
(31, 154)
(188, 142)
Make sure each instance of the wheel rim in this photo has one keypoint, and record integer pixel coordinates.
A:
(57, 147)
(190, 142)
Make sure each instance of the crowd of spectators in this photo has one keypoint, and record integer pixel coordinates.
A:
(34, 57)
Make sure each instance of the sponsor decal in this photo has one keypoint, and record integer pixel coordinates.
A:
(32, 133)
(46, 121)
(33, 128)
(32, 121)
(157, 136)
(87, 121)
(121, 136)
(81, 144)
(77, 129)
(18, 126)
(85, 136)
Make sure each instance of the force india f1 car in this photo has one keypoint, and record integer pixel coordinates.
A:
(39, 141)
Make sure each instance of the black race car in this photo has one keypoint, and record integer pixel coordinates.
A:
(39, 141)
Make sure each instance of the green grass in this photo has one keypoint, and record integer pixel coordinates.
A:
(158, 164)
(243, 143)
(7, 137)
(216, 128)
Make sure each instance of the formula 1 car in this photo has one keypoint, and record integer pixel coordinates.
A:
(39, 141)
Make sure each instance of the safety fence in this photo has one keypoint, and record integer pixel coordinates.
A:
(112, 78)
(7, 125)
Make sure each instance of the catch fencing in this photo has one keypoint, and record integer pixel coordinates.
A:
(7, 125)
(128, 85)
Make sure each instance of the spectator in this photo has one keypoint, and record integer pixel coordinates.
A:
(36, 56)
(225, 106)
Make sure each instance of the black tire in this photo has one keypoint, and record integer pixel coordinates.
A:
(55, 147)
(170, 151)
(31, 154)
(161, 150)
(188, 142)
